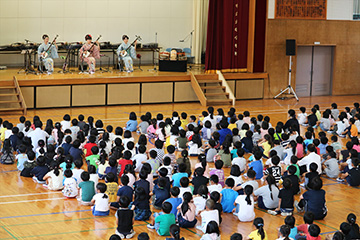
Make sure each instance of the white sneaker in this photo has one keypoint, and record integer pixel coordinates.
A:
(131, 234)
(285, 214)
(150, 226)
(49, 73)
(340, 180)
(272, 212)
(92, 72)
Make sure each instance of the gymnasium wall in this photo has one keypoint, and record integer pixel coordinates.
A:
(73, 19)
(344, 34)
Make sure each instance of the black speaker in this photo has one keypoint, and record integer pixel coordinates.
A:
(290, 47)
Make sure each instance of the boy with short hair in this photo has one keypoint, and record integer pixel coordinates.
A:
(331, 166)
(77, 170)
(139, 158)
(219, 172)
(251, 174)
(21, 125)
(184, 183)
(88, 146)
(257, 165)
(160, 193)
(112, 186)
(240, 160)
(161, 222)
(28, 165)
(124, 219)
(94, 158)
(214, 184)
(208, 215)
(211, 152)
(177, 176)
(124, 190)
(302, 117)
(167, 166)
(308, 219)
(274, 170)
(228, 196)
(174, 200)
(87, 189)
(21, 157)
(154, 162)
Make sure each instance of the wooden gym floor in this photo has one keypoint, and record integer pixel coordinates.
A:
(28, 211)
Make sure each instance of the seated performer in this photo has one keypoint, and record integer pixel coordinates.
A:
(127, 52)
(93, 49)
(51, 53)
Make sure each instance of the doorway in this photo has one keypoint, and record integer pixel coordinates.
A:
(314, 68)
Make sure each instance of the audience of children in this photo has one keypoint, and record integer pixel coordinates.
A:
(109, 156)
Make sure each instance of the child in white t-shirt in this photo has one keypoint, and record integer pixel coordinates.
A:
(240, 160)
(184, 183)
(208, 215)
(302, 117)
(100, 201)
(167, 165)
(245, 205)
(214, 184)
(54, 178)
(200, 198)
(70, 187)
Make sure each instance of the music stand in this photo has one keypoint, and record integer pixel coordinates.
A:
(28, 64)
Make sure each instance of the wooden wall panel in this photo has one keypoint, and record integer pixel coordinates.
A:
(157, 92)
(57, 96)
(184, 92)
(87, 95)
(249, 89)
(28, 94)
(343, 34)
(123, 93)
(232, 85)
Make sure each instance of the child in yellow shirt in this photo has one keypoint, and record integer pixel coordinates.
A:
(259, 233)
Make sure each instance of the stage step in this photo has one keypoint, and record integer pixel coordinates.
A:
(219, 101)
(212, 87)
(16, 98)
(217, 94)
(10, 109)
(8, 87)
(8, 94)
(10, 101)
(209, 81)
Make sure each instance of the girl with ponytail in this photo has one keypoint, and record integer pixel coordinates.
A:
(187, 212)
(175, 233)
(200, 198)
(267, 196)
(245, 205)
(284, 233)
(54, 178)
(203, 164)
(259, 233)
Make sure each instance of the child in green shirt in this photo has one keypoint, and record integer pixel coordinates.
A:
(162, 221)
(94, 158)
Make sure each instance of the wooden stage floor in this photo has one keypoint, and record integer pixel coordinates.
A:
(28, 211)
(148, 71)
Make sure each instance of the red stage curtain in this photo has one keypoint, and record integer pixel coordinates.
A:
(227, 35)
(259, 38)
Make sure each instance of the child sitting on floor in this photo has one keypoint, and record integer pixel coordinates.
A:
(100, 201)
(124, 219)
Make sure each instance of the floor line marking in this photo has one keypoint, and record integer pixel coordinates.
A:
(42, 214)
(28, 194)
(35, 200)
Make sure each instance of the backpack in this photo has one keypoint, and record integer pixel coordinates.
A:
(7, 158)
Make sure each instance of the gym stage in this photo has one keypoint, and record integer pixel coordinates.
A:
(121, 88)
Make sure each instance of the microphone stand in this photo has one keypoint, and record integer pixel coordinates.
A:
(154, 69)
(191, 38)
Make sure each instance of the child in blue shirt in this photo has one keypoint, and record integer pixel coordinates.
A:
(124, 190)
(174, 200)
(257, 165)
(228, 196)
(21, 157)
(160, 193)
(131, 125)
(177, 176)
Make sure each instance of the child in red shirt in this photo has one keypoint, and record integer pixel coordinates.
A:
(124, 161)
(314, 232)
(308, 220)
(89, 145)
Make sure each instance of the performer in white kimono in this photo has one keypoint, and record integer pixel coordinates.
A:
(93, 49)
(51, 53)
(127, 53)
